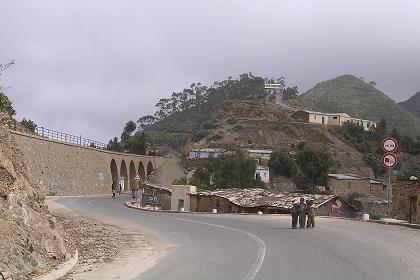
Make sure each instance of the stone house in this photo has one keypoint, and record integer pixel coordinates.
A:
(310, 117)
(406, 201)
(154, 195)
(180, 199)
(344, 185)
(338, 118)
(373, 206)
(255, 200)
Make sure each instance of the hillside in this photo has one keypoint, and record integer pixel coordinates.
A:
(250, 124)
(352, 95)
(412, 104)
(176, 129)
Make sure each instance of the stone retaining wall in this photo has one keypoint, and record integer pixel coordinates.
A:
(68, 169)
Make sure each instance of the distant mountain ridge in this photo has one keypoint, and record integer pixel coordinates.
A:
(412, 104)
(351, 95)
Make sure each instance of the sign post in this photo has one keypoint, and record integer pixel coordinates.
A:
(389, 160)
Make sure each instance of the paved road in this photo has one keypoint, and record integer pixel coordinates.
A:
(236, 247)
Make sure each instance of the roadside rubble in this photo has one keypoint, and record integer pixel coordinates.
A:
(96, 242)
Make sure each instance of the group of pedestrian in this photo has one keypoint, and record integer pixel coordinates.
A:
(304, 213)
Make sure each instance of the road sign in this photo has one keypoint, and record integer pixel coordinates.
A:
(389, 160)
(389, 145)
(137, 177)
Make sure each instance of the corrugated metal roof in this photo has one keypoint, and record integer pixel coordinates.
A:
(215, 150)
(345, 176)
(338, 114)
(158, 186)
(261, 167)
(312, 112)
(259, 197)
(353, 177)
(257, 151)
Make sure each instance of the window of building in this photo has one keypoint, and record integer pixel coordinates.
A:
(335, 118)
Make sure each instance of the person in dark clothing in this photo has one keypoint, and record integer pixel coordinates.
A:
(113, 190)
(302, 213)
(310, 210)
(295, 215)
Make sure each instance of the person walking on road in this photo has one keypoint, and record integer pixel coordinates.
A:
(302, 213)
(310, 210)
(113, 190)
(295, 215)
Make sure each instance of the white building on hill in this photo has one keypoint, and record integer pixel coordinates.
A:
(263, 172)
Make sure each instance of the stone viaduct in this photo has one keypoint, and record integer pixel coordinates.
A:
(70, 169)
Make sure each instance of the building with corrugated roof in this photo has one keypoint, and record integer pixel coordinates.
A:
(336, 119)
(255, 200)
(205, 153)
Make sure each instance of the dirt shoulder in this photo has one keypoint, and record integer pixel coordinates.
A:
(105, 251)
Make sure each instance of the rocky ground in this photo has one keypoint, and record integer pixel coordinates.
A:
(30, 238)
(105, 251)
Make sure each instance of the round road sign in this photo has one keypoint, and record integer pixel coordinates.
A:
(389, 144)
(389, 160)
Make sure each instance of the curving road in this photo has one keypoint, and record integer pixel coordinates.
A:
(236, 247)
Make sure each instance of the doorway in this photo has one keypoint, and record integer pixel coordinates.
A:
(180, 204)
(412, 215)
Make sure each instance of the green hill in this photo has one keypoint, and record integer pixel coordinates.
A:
(412, 104)
(187, 114)
(351, 95)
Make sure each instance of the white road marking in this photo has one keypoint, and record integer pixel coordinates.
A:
(262, 248)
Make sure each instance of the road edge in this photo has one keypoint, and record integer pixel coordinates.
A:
(60, 270)
(414, 226)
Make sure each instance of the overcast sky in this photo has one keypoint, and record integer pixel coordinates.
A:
(86, 67)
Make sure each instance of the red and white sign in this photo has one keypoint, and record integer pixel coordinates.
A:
(389, 145)
(389, 160)
(137, 177)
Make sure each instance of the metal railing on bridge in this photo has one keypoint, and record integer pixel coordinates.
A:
(68, 138)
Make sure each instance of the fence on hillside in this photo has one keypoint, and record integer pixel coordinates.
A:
(68, 138)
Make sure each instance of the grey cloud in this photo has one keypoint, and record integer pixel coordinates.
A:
(89, 66)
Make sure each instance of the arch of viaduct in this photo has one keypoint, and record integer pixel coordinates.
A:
(69, 169)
